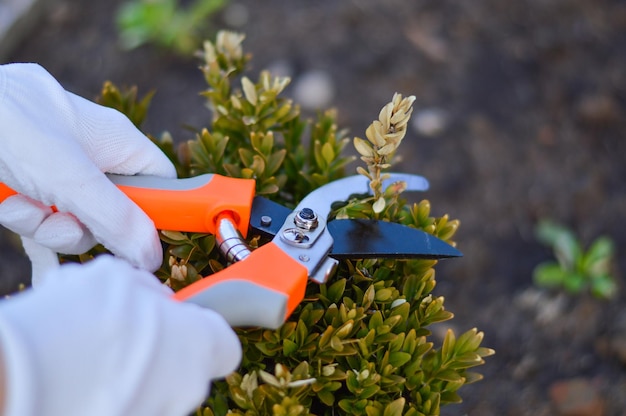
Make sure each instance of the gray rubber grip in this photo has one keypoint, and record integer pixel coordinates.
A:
(156, 182)
(243, 303)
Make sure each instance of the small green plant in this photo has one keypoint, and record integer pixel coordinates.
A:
(359, 344)
(126, 102)
(166, 23)
(575, 270)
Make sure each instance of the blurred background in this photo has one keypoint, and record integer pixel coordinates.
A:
(520, 116)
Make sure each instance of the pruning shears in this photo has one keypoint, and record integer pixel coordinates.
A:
(262, 287)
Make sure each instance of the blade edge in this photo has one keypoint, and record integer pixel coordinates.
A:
(357, 238)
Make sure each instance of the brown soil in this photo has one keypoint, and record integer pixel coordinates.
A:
(534, 93)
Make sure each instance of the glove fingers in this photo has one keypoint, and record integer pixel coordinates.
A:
(224, 343)
(60, 232)
(116, 146)
(118, 269)
(114, 220)
(23, 215)
(215, 352)
(69, 147)
(63, 233)
(44, 233)
(42, 259)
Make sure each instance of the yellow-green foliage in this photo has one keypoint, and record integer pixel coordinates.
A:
(175, 25)
(360, 344)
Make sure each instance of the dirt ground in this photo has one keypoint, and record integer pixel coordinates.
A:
(532, 99)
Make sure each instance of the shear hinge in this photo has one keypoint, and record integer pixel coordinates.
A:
(229, 240)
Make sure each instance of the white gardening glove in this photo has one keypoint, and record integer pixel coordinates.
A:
(106, 339)
(54, 148)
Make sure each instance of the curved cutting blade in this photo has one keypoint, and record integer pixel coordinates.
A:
(361, 239)
(321, 199)
(267, 217)
(357, 238)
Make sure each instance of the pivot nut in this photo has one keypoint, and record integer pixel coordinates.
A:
(306, 219)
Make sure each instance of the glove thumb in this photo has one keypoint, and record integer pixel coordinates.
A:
(42, 260)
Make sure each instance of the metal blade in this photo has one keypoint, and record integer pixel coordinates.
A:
(321, 199)
(356, 238)
(359, 239)
(267, 216)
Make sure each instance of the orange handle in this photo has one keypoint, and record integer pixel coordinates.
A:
(191, 204)
(261, 290)
(5, 192)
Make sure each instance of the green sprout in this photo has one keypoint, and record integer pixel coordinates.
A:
(575, 270)
(165, 23)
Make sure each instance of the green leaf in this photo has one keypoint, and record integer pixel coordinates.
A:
(465, 360)
(469, 341)
(450, 397)
(207, 243)
(326, 397)
(301, 332)
(267, 189)
(563, 241)
(604, 287)
(287, 330)
(173, 237)
(352, 382)
(345, 330)
(398, 359)
(369, 391)
(422, 349)
(247, 157)
(485, 352)
(403, 310)
(258, 166)
(376, 320)
(267, 143)
(449, 375)
(597, 260)
(275, 161)
(413, 287)
(368, 296)
(328, 153)
(383, 295)
(336, 344)
(472, 377)
(567, 251)
(574, 282)
(249, 90)
(447, 349)
(182, 251)
(336, 290)
(395, 408)
(289, 347)
(549, 232)
(549, 275)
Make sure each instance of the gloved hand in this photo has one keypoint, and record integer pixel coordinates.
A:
(54, 148)
(107, 339)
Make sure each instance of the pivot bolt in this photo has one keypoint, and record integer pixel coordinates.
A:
(306, 219)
